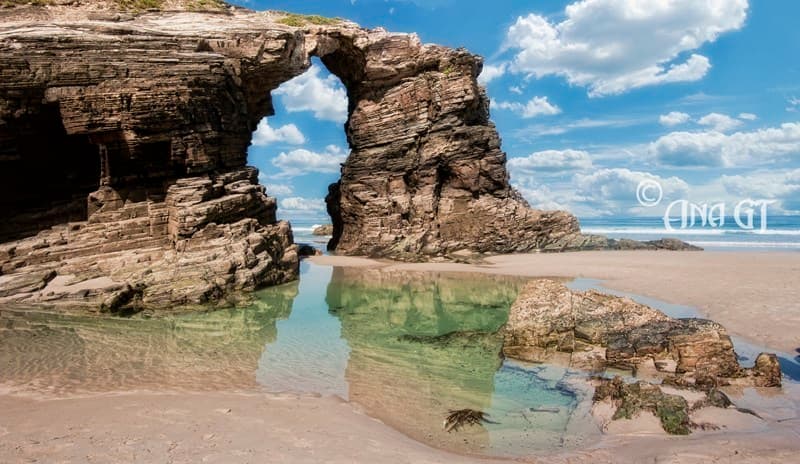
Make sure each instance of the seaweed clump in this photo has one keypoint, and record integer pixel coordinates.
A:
(671, 410)
(455, 339)
(460, 417)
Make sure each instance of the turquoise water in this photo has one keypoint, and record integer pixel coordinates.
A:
(404, 347)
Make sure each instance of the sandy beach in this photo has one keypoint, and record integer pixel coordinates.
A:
(141, 427)
(753, 294)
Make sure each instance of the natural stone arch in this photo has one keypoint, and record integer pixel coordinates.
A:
(426, 174)
(167, 103)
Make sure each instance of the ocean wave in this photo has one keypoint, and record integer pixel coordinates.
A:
(649, 231)
(727, 244)
(766, 232)
(305, 229)
(696, 232)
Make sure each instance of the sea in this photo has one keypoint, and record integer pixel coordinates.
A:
(781, 233)
(302, 228)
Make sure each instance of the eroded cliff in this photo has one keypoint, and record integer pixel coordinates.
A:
(123, 145)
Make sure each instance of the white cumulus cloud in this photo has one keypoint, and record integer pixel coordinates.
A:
(613, 191)
(279, 190)
(302, 161)
(274, 190)
(325, 97)
(714, 148)
(601, 193)
(783, 186)
(673, 118)
(545, 198)
(302, 205)
(536, 106)
(748, 116)
(613, 46)
(719, 122)
(491, 72)
(265, 134)
(550, 161)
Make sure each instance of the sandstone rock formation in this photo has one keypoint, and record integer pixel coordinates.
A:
(591, 330)
(126, 132)
(326, 229)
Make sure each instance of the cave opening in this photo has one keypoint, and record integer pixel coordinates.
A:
(45, 174)
(300, 146)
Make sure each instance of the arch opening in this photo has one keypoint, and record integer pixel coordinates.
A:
(299, 148)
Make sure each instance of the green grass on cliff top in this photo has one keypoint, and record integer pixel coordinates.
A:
(299, 20)
(134, 5)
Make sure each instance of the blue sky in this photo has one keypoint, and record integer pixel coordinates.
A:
(590, 98)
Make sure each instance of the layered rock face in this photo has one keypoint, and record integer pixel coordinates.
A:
(127, 134)
(591, 330)
(123, 144)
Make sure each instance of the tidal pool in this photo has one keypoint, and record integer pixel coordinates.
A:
(406, 347)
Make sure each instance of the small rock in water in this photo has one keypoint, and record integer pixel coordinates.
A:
(327, 229)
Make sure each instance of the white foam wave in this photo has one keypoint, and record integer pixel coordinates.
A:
(728, 244)
(697, 232)
(649, 231)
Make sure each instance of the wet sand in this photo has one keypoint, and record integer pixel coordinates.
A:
(192, 428)
(754, 294)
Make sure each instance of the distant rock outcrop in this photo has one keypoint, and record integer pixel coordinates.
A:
(323, 230)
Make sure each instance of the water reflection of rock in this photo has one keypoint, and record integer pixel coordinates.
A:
(52, 353)
(451, 321)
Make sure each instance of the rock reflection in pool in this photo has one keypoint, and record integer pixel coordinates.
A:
(66, 354)
(407, 347)
(422, 344)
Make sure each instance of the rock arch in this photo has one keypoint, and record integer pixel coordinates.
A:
(426, 175)
(167, 102)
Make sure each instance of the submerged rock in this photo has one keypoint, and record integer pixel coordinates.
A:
(591, 330)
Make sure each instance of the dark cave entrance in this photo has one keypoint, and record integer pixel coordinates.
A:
(49, 177)
(45, 174)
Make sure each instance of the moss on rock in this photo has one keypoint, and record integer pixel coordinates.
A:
(631, 399)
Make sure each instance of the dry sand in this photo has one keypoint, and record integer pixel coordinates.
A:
(753, 294)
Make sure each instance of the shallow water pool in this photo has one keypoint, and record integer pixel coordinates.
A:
(405, 347)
